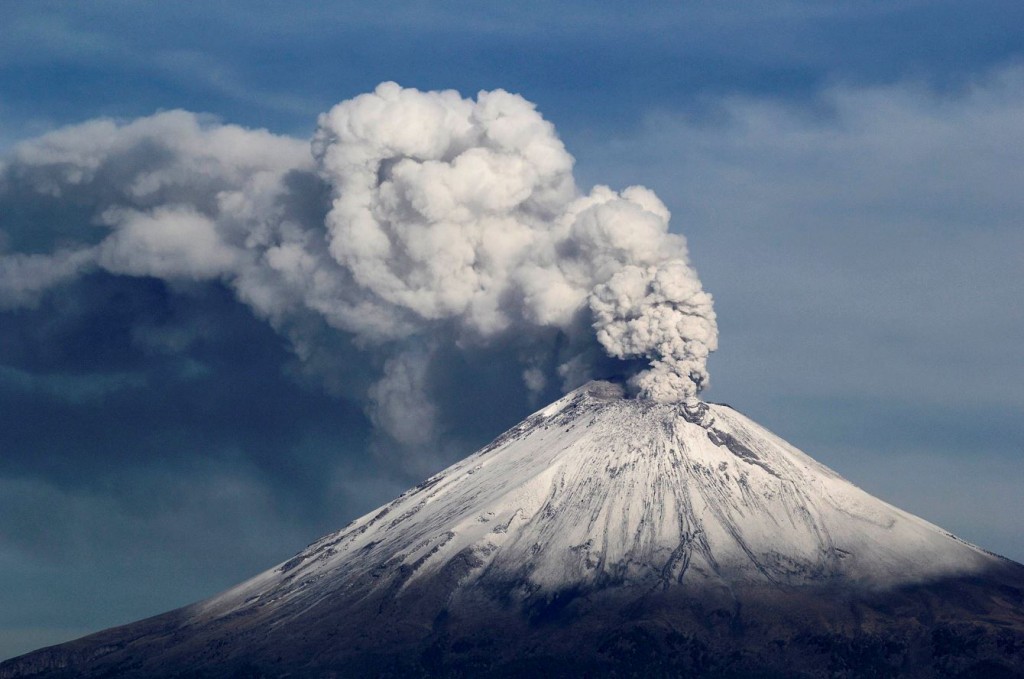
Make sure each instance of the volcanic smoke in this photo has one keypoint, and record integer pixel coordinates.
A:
(414, 220)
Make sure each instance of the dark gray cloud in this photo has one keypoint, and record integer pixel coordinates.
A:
(147, 433)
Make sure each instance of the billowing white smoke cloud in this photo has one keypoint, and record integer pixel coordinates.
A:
(467, 210)
(662, 314)
(419, 217)
(399, 401)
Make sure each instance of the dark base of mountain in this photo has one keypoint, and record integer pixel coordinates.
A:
(962, 627)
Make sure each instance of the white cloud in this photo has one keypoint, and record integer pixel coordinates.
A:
(167, 242)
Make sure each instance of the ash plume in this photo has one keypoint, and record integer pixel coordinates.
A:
(412, 221)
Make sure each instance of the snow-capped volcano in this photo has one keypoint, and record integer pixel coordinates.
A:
(599, 524)
(598, 489)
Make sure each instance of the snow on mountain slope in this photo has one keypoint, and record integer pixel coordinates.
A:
(596, 490)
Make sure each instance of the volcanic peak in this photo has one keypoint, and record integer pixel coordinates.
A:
(597, 490)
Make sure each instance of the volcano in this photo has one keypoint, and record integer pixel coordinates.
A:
(602, 535)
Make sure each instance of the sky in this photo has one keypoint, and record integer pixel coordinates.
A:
(846, 176)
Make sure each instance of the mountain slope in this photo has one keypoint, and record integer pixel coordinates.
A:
(603, 533)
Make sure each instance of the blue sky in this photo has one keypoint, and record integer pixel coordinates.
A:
(847, 175)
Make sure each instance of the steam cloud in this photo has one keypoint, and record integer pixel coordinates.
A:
(421, 220)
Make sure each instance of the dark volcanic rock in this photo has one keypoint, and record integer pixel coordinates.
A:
(963, 627)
